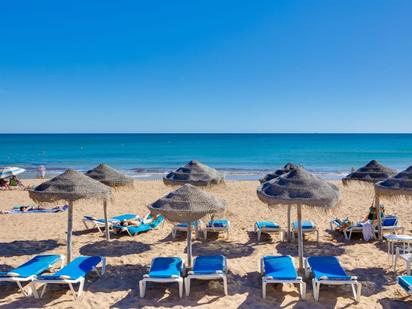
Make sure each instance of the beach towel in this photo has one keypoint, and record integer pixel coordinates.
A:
(367, 231)
(32, 209)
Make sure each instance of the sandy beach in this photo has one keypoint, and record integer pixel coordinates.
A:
(22, 236)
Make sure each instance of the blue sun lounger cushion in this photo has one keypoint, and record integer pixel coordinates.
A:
(33, 267)
(166, 267)
(119, 218)
(327, 267)
(76, 269)
(406, 283)
(267, 224)
(217, 223)
(390, 221)
(157, 221)
(209, 264)
(305, 225)
(279, 267)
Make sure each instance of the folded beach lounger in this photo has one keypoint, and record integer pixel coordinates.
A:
(164, 270)
(182, 227)
(30, 270)
(73, 273)
(144, 227)
(346, 230)
(406, 283)
(218, 226)
(100, 223)
(267, 227)
(327, 270)
(280, 269)
(307, 227)
(208, 268)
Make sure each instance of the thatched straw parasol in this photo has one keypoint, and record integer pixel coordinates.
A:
(299, 187)
(109, 176)
(277, 173)
(194, 173)
(371, 172)
(185, 205)
(394, 187)
(70, 187)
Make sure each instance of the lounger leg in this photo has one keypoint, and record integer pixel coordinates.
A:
(259, 233)
(180, 282)
(316, 288)
(81, 287)
(43, 290)
(173, 233)
(205, 234)
(317, 237)
(187, 286)
(396, 259)
(142, 288)
(408, 267)
(263, 288)
(85, 224)
(303, 290)
(225, 284)
(21, 288)
(350, 234)
(359, 291)
(34, 290)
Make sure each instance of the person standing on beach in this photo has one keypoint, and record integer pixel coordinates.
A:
(41, 171)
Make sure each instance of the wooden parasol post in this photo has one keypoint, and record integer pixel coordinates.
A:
(300, 237)
(289, 210)
(378, 210)
(69, 231)
(189, 245)
(106, 222)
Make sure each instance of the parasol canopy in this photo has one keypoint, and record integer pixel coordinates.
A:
(372, 172)
(109, 176)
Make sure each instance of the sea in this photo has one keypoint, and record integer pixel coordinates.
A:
(238, 156)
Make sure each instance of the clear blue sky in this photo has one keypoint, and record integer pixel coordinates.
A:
(206, 66)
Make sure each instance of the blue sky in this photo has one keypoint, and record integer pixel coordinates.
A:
(206, 66)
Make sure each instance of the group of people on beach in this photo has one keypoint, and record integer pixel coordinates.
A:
(11, 183)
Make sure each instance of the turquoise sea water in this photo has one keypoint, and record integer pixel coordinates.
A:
(241, 156)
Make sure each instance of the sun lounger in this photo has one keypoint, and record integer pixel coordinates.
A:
(182, 227)
(390, 225)
(30, 270)
(405, 254)
(280, 269)
(164, 270)
(100, 223)
(217, 226)
(73, 273)
(307, 227)
(267, 227)
(406, 283)
(133, 230)
(327, 270)
(346, 230)
(208, 268)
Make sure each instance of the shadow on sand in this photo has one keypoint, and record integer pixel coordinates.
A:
(27, 247)
(114, 248)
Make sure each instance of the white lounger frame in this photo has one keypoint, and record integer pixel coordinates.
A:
(176, 228)
(268, 230)
(306, 231)
(15, 278)
(216, 276)
(406, 255)
(217, 230)
(147, 278)
(67, 281)
(268, 280)
(353, 282)
(101, 224)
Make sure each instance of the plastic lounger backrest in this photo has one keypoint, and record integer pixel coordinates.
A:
(279, 267)
(209, 264)
(166, 267)
(218, 223)
(305, 225)
(34, 266)
(77, 268)
(327, 267)
(406, 283)
(390, 221)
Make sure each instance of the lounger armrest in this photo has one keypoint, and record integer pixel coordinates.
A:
(12, 274)
(354, 278)
(190, 272)
(64, 277)
(146, 276)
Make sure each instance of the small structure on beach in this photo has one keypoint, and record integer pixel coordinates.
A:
(277, 173)
(372, 172)
(70, 187)
(187, 205)
(109, 176)
(301, 188)
(194, 173)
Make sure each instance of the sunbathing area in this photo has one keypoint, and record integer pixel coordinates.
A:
(241, 258)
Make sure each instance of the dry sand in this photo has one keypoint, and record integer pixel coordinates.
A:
(22, 236)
